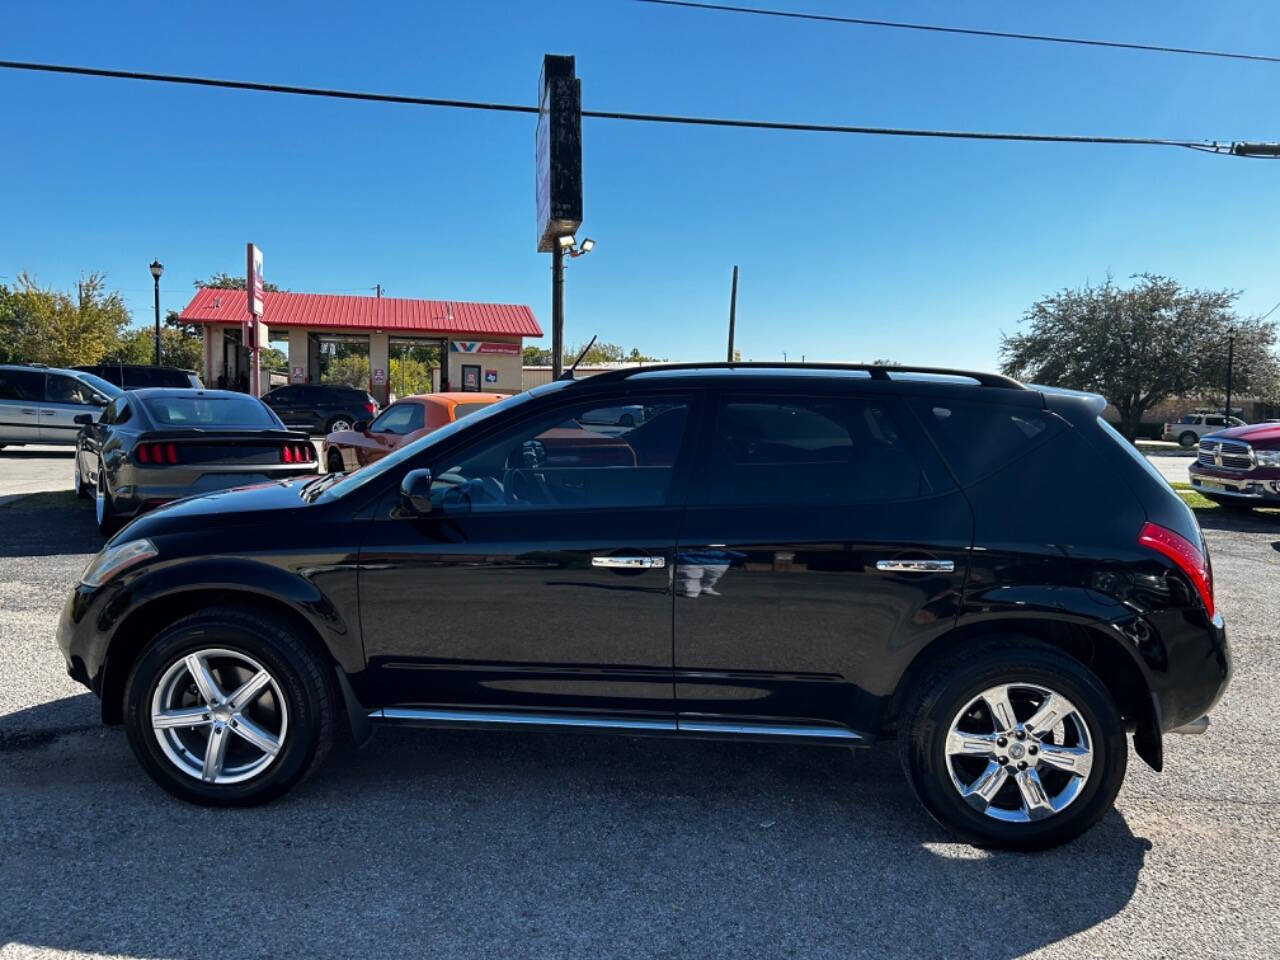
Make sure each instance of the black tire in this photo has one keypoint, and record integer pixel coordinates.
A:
(940, 696)
(1188, 439)
(308, 688)
(335, 464)
(108, 520)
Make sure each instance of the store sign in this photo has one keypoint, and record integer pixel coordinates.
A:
(491, 376)
(379, 376)
(481, 346)
(299, 375)
(558, 152)
(470, 378)
(253, 279)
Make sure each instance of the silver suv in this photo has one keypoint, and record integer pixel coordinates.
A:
(39, 404)
(1188, 430)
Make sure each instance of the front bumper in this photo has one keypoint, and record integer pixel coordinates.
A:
(1236, 485)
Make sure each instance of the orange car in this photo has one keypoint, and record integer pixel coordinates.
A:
(403, 422)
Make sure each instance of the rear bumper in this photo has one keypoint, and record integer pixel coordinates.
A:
(132, 500)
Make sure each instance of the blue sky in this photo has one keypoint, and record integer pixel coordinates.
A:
(850, 247)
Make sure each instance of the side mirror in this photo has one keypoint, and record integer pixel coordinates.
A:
(415, 492)
(360, 426)
(82, 419)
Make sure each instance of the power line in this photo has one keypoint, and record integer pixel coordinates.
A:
(963, 31)
(1208, 146)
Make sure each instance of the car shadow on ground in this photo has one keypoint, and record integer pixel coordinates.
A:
(482, 844)
(48, 524)
(44, 453)
(1239, 521)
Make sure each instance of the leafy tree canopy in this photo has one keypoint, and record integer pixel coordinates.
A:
(43, 325)
(1140, 345)
(225, 281)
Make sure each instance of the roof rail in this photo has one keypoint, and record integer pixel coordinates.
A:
(875, 371)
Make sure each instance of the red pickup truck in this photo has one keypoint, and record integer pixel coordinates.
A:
(1240, 467)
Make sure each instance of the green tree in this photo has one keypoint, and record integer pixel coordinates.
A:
(225, 281)
(351, 369)
(177, 348)
(8, 324)
(52, 327)
(536, 356)
(408, 376)
(1140, 345)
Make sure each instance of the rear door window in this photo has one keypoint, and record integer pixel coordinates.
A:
(22, 385)
(809, 450)
(977, 439)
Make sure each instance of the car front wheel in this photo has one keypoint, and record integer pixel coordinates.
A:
(229, 707)
(1017, 747)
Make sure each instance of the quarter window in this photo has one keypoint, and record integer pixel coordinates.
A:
(977, 439)
(568, 460)
(22, 385)
(809, 450)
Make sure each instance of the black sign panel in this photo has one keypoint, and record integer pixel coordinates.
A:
(558, 151)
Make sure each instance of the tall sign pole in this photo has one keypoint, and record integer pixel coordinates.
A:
(558, 184)
(1231, 359)
(733, 310)
(253, 331)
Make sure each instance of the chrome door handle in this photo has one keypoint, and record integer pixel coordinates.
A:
(47, 413)
(629, 563)
(917, 566)
(28, 410)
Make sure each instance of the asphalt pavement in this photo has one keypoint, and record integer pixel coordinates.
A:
(451, 844)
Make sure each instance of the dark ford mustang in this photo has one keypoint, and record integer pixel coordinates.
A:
(823, 555)
(153, 446)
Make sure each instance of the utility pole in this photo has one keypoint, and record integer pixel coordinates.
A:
(733, 310)
(557, 311)
(1231, 356)
(378, 287)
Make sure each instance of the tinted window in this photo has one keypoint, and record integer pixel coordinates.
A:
(400, 419)
(808, 450)
(104, 387)
(1188, 419)
(283, 395)
(979, 438)
(565, 461)
(340, 396)
(460, 410)
(177, 411)
(124, 412)
(25, 385)
(64, 389)
(1215, 421)
(137, 377)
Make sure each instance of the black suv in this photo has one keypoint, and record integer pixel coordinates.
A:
(823, 555)
(321, 408)
(137, 376)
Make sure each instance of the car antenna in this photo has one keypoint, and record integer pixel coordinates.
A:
(568, 374)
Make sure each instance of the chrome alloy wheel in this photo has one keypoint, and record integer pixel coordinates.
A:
(219, 716)
(339, 426)
(1019, 770)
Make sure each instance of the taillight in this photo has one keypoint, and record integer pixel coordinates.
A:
(297, 453)
(157, 453)
(370, 409)
(1186, 556)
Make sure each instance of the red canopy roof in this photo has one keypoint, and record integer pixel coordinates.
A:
(388, 314)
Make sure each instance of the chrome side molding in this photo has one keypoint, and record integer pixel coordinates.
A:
(916, 566)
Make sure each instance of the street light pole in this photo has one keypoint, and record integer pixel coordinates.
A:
(157, 268)
(1231, 356)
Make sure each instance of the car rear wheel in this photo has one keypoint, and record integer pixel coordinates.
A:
(104, 507)
(1188, 439)
(338, 423)
(229, 707)
(1017, 747)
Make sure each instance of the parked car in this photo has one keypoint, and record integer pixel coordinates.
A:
(134, 376)
(321, 408)
(1240, 467)
(985, 571)
(1191, 427)
(627, 416)
(40, 404)
(153, 446)
(403, 422)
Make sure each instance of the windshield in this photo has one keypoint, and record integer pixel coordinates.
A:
(355, 481)
(179, 411)
(104, 387)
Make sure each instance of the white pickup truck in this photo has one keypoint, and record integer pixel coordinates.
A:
(1188, 430)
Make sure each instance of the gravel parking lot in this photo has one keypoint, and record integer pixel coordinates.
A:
(476, 845)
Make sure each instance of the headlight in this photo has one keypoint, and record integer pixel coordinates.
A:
(1267, 458)
(115, 560)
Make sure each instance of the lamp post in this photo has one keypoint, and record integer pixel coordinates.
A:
(157, 268)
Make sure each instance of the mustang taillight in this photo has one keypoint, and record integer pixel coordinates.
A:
(156, 453)
(297, 453)
(1186, 556)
